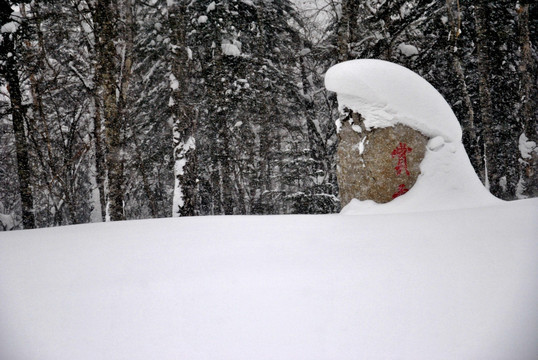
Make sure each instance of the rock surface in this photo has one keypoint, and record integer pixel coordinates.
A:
(380, 164)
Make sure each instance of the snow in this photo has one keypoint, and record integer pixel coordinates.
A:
(408, 50)
(211, 7)
(6, 222)
(182, 149)
(338, 124)
(178, 200)
(304, 52)
(174, 83)
(445, 271)
(385, 94)
(436, 143)
(9, 27)
(526, 147)
(520, 189)
(361, 145)
(457, 284)
(231, 48)
(503, 183)
(356, 128)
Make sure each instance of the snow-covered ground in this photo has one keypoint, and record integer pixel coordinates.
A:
(455, 284)
(445, 271)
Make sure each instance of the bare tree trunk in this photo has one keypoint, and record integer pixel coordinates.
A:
(127, 42)
(98, 148)
(11, 75)
(468, 121)
(240, 188)
(529, 116)
(105, 31)
(491, 177)
(23, 163)
(185, 168)
(127, 63)
(100, 165)
(317, 145)
(225, 166)
(346, 29)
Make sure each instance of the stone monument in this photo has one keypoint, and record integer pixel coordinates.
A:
(379, 164)
(400, 144)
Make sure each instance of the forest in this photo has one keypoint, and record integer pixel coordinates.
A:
(133, 109)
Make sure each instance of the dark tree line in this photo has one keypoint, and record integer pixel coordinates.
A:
(131, 109)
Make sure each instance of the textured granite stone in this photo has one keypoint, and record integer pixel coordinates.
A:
(380, 164)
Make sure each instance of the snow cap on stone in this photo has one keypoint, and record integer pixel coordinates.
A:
(385, 94)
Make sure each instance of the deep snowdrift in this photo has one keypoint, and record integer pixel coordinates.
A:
(459, 284)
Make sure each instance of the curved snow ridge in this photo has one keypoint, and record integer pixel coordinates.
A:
(386, 94)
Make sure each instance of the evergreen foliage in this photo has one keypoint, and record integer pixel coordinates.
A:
(137, 109)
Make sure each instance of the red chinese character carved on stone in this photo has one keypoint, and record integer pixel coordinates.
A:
(401, 190)
(401, 151)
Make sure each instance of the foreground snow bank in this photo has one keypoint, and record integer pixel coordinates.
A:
(440, 285)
